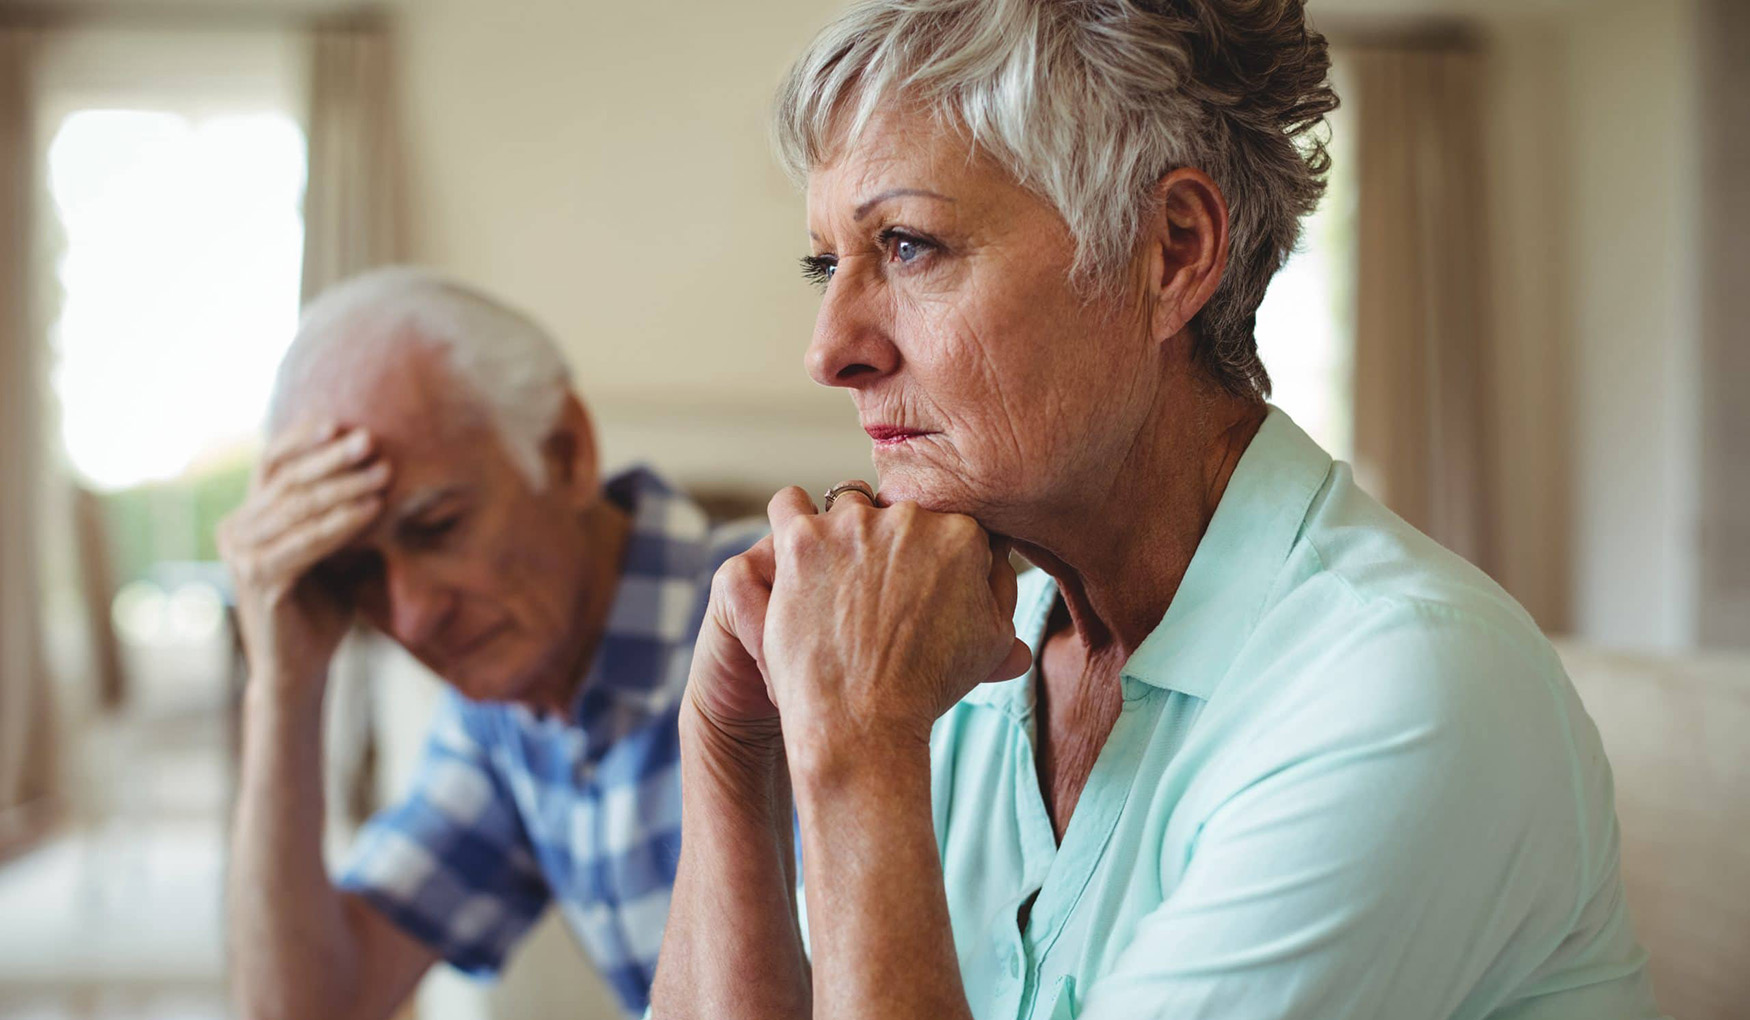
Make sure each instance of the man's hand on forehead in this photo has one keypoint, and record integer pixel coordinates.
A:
(318, 488)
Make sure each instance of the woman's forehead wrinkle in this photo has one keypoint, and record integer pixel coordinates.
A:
(868, 205)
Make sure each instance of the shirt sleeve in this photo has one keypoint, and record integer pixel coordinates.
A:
(1404, 838)
(452, 864)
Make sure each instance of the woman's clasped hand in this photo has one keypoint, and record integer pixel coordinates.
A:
(864, 621)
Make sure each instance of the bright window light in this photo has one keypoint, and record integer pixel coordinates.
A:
(183, 247)
(1306, 325)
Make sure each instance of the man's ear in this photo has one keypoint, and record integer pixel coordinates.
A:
(1188, 248)
(569, 453)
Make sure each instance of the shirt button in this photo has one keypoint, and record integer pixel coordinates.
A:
(1014, 964)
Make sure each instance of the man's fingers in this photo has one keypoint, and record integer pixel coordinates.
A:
(293, 441)
(344, 451)
(301, 548)
(286, 510)
(788, 505)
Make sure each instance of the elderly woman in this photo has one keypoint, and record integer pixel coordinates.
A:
(1245, 746)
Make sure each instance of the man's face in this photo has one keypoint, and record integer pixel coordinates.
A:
(470, 567)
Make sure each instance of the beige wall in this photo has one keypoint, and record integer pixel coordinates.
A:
(1530, 318)
(606, 167)
(1593, 177)
(1632, 194)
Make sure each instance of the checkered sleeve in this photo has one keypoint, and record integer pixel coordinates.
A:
(451, 864)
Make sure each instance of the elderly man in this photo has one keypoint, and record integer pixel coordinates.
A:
(431, 471)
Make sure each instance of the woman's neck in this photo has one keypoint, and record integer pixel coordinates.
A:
(1119, 554)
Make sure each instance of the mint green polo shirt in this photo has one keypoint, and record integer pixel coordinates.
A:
(1350, 781)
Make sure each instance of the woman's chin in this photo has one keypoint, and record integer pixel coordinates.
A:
(928, 489)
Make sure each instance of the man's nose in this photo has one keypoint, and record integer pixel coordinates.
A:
(419, 604)
(853, 340)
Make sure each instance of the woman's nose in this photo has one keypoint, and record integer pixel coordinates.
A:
(853, 340)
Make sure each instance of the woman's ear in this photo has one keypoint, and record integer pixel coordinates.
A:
(1188, 247)
(569, 453)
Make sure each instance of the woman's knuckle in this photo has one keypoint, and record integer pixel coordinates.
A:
(732, 578)
(804, 534)
(783, 497)
(961, 526)
(734, 571)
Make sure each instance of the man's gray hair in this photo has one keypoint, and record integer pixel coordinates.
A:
(507, 362)
(1088, 103)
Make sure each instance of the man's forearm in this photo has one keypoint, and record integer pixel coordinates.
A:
(732, 948)
(291, 946)
(883, 945)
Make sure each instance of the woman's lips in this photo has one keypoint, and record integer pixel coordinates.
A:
(893, 435)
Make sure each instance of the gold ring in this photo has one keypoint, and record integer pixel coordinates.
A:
(855, 485)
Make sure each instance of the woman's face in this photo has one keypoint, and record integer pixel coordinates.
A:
(988, 382)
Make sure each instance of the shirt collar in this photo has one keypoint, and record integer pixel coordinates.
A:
(1035, 594)
(1226, 586)
(1234, 569)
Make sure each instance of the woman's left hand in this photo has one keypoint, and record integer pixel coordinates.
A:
(881, 618)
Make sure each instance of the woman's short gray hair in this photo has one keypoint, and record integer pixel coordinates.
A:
(1089, 103)
(507, 362)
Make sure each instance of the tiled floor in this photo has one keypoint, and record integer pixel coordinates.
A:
(112, 1002)
(119, 905)
(120, 917)
(116, 925)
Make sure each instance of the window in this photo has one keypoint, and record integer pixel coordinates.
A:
(1306, 325)
(183, 240)
(176, 166)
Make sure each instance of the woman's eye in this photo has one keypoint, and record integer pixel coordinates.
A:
(819, 269)
(904, 248)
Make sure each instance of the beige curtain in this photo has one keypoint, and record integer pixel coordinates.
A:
(1421, 326)
(1724, 599)
(25, 722)
(352, 222)
(352, 211)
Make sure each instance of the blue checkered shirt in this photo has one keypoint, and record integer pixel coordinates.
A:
(512, 809)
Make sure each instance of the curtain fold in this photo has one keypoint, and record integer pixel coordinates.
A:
(1421, 328)
(26, 729)
(352, 222)
(352, 201)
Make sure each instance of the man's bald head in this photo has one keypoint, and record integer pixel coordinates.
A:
(355, 334)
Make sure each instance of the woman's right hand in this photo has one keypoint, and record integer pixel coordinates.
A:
(727, 686)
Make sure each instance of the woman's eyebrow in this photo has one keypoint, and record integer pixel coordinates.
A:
(868, 204)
